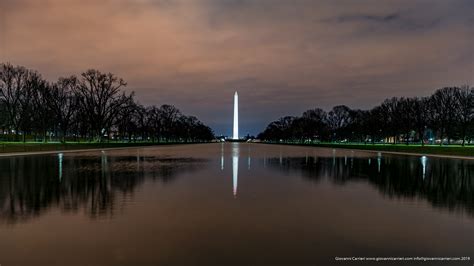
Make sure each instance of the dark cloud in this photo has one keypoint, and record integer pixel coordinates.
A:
(393, 23)
(282, 56)
(370, 18)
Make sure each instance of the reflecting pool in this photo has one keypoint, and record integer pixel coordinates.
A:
(232, 204)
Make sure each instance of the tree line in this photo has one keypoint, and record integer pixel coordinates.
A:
(93, 106)
(445, 117)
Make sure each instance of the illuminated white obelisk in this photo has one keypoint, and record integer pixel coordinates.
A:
(236, 117)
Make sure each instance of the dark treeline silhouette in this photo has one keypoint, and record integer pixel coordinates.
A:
(90, 107)
(444, 117)
(444, 183)
(30, 186)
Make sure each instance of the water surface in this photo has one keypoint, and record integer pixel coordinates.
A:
(232, 204)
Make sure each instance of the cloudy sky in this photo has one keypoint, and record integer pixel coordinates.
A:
(282, 56)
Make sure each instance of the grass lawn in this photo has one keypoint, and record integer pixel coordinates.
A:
(454, 150)
(18, 147)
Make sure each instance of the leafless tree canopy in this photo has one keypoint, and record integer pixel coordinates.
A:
(447, 115)
(93, 106)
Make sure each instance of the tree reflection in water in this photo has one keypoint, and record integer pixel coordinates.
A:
(30, 185)
(99, 185)
(445, 183)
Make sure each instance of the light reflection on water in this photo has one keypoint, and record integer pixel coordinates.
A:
(235, 167)
(283, 194)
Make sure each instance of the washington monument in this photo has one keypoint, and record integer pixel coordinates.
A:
(236, 117)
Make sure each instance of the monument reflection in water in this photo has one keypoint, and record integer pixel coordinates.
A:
(304, 205)
(235, 151)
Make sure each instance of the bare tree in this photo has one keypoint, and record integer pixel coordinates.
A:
(169, 117)
(390, 112)
(63, 103)
(12, 84)
(339, 119)
(101, 98)
(155, 122)
(444, 107)
(421, 116)
(41, 113)
(406, 117)
(314, 124)
(465, 98)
